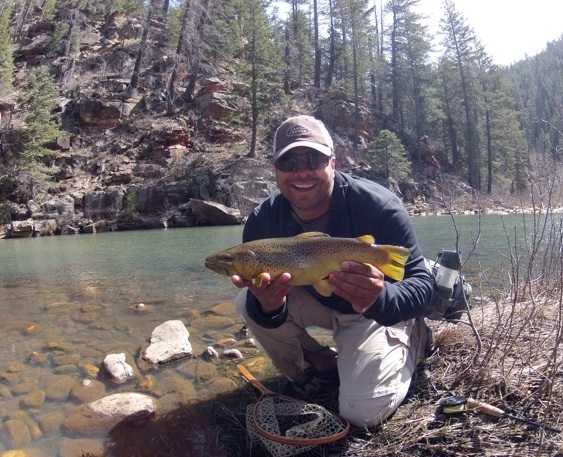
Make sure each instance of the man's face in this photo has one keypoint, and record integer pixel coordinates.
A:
(307, 182)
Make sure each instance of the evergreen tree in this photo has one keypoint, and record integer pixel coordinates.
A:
(460, 49)
(41, 128)
(6, 59)
(388, 158)
(410, 68)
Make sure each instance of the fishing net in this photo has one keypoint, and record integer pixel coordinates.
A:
(287, 426)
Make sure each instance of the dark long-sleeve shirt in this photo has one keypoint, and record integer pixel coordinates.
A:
(358, 207)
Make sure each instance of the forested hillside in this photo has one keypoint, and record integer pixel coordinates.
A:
(82, 79)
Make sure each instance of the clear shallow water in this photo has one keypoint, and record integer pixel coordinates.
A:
(78, 293)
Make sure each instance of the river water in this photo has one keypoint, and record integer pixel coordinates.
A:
(80, 292)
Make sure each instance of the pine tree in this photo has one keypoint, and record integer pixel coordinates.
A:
(460, 49)
(6, 59)
(262, 60)
(388, 158)
(41, 128)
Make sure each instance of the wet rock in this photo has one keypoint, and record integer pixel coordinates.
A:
(211, 351)
(60, 388)
(173, 383)
(147, 382)
(66, 359)
(90, 370)
(80, 447)
(175, 392)
(118, 368)
(212, 322)
(233, 354)
(169, 341)
(224, 309)
(34, 429)
(15, 367)
(87, 390)
(15, 433)
(36, 358)
(24, 452)
(9, 378)
(33, 399)
(100, 416)
(5, 392)
(66, 369)
(198, 370)
(50, 422)
(59, 306)
(142, 308)
(223, 342)
(218, 386)
(24, 387)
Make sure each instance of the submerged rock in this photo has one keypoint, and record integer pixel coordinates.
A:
(102, 415)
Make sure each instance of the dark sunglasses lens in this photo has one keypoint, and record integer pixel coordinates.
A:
(312, 162)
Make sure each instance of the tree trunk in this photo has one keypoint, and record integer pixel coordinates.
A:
(317, 78)
(141, 52)
(171, 88)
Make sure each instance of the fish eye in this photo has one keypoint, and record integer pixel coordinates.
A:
(227, 257)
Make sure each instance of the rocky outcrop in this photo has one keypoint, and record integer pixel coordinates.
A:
(213, 99)
(211, 213)
(98, 113)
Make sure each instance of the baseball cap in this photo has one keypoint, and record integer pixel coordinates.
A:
(302, 130)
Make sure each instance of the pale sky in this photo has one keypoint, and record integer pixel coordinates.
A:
(510, 30)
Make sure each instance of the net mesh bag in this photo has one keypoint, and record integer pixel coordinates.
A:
(289, 428)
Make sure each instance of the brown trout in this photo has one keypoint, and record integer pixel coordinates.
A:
(308, 257)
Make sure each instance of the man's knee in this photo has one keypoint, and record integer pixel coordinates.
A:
(370, 412)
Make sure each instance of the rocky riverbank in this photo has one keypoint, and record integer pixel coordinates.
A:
(65, 399)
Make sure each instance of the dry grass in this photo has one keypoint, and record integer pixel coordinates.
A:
(517, 370)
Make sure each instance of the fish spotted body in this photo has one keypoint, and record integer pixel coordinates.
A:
(308, 257)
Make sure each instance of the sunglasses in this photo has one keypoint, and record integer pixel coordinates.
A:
(312, 160)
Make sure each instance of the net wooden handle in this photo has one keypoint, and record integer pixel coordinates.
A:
(484, 407)
(252, 380)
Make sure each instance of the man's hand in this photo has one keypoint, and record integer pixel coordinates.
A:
(271, 294)
(358, 283)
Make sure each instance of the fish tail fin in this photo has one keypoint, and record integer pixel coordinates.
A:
(397, 257)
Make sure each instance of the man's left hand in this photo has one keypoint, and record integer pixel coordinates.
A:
(359, 283)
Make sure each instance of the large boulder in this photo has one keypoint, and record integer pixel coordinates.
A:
(103, 204)
(100, 416)
(211, 213)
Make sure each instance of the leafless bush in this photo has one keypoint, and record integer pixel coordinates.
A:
(517, 362)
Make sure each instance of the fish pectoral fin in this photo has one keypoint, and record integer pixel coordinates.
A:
(312, 235)
(323, 287)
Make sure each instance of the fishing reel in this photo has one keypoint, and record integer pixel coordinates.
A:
(452, 292)
(457, 404)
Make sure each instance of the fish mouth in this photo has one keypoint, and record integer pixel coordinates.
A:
(216, 268)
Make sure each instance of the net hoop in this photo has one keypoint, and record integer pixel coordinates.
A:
(339, 422)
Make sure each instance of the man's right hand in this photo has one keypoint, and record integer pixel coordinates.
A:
(271, 294)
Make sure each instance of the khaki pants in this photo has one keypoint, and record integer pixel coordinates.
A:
(375, 363)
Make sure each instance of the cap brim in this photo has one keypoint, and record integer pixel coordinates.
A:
(309, 144)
